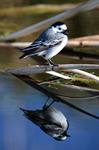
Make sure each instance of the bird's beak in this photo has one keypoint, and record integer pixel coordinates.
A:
(66, 32)
(68, 135)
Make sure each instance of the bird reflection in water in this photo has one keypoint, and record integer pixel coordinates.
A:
(50, 120)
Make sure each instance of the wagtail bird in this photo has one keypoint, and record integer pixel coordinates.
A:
(50, 120)
(49, 43)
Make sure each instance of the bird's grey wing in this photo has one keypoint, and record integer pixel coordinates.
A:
(35, 45)
(34, 116)
(38, 117)
(52, 42)
(42, 44)
(51, 129)
(33, 49)
(38, 46)
(41, 47)
(47, 44)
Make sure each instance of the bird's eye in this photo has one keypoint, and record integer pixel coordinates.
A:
(59, 28)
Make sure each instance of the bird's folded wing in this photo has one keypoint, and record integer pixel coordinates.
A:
(53, 42)
(39, 46)
(34, 45)
(51, 128)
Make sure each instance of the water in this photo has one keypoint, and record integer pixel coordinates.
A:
(17, 132)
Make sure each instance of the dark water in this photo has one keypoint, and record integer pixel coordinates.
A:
(18, 133)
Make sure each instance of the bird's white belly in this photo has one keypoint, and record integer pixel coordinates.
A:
(51, 52)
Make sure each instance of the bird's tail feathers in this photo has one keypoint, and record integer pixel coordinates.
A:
(32, 116)
(24, 110)
(23, 56)
(26, 55)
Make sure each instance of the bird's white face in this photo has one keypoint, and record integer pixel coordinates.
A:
(59, 28)
(64, 138)
(61, 138)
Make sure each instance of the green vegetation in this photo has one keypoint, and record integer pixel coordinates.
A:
(75, 81)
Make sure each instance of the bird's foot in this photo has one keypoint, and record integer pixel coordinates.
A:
(47, 104)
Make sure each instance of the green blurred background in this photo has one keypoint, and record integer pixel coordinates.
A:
(15, 15)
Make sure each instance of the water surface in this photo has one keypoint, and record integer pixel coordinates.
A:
(19, 133)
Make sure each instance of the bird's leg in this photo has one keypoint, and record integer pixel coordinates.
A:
(47, 104)
(50, 62)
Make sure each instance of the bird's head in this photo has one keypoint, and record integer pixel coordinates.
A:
(62, 137)
(60, 27)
